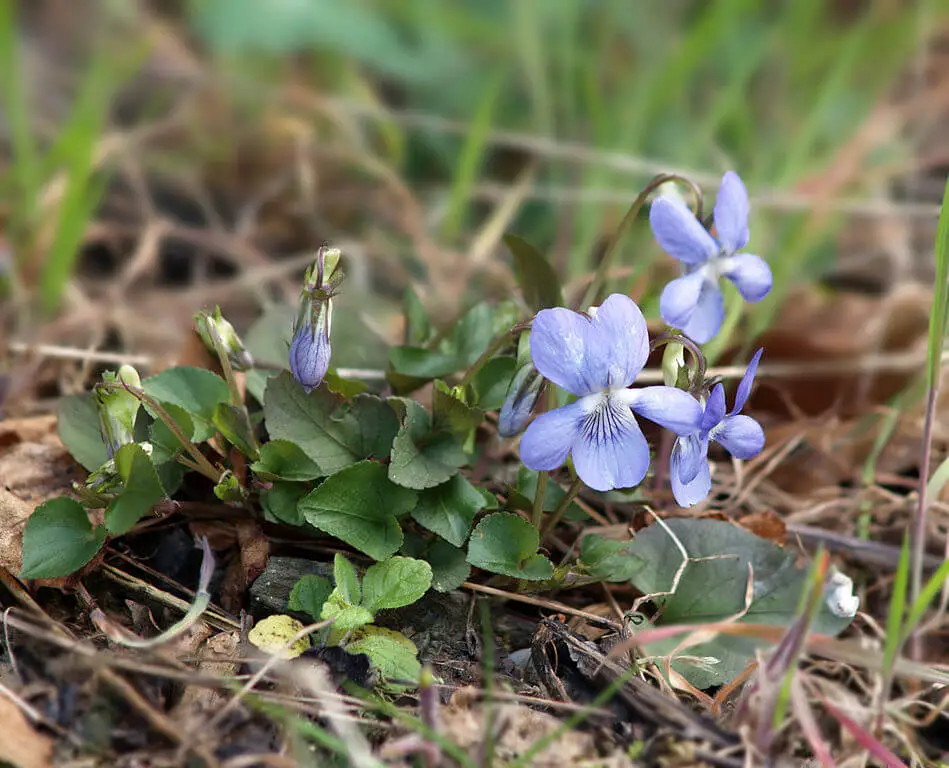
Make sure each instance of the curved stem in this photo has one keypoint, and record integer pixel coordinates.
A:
(500, 340)
(561, 507)
(699, 369)
(593, 290)
(201, 462)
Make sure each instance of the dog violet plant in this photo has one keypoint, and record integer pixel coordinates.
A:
(416, 488)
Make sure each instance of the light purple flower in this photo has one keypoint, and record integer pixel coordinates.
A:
(694, 302)
(740, 435)
(597, 358)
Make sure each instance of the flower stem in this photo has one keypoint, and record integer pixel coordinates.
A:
(499, 341)
(593, 289)
(561, 508)
(538, 510)
(201, 463)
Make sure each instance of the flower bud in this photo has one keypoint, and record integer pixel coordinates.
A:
(310, 348)
(213, 328)
(520, 400)
(117, 408)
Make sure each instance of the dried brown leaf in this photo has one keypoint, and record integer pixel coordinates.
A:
(21, 745)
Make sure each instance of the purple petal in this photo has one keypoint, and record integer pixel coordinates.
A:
(549, 438)
(519, 402)
(612, 452)
(714, 409)
(750, 274)
(731, 213)
(680, 297)
(619, 324)
(741, 436)
(566, 350)
(688, 455)
(310, 353)
(679, 233)
(744, 386)
(669, 407)
(708, 316)
(698, 489)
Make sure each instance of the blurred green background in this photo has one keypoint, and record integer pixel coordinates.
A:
(543, 117)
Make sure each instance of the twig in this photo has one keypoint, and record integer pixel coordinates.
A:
(550, 605)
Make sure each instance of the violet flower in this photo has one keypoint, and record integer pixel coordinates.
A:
(740, 435)
(694, 302)
(596, 358)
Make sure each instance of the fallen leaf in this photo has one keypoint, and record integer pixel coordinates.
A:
(14, 513)
(21, 745)
(37, 471)
(254, 551)
(766, 525)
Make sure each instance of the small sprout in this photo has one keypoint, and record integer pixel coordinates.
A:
(273, 634)
(216, 332)
(117, 408)
(229, 489)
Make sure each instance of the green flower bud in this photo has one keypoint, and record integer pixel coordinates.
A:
(217, 333)
(117, 408)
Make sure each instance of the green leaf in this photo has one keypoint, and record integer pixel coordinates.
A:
(452, 413)
(473, 334)
(233, 422)
(58, 539)
(359, 505)
(537, 279)
(394, 583)
(450, 569)
(423, 364)
(449, 509)
(196, 390)
(714, 589)
(142, 489)
(333, 433)
(78, 424)
(417, 326)
(490, 383)
(347, 388)
(391, 652)
(281, 459)
(281, 501)
(309, 594)
(608, 559)
(166, 446)
(345, 617)
(507, 544)
(347, 582)
(422, 458)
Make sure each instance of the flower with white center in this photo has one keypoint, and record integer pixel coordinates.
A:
(694, 302)
(597, 357)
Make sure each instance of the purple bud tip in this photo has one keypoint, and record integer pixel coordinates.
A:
(310, 356)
